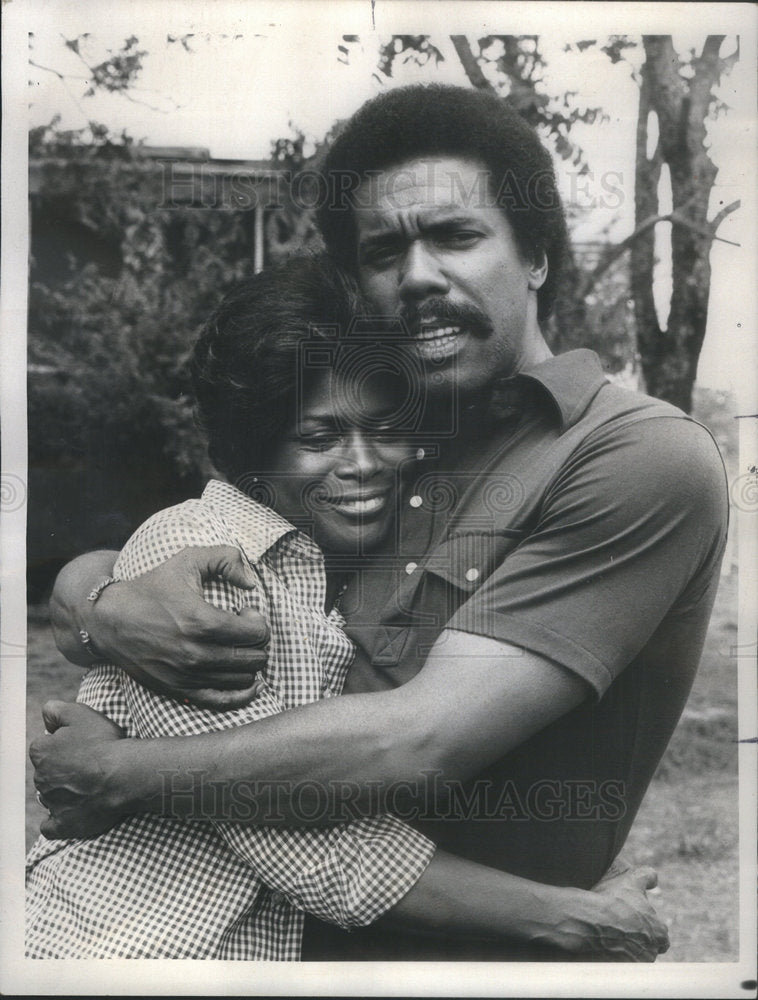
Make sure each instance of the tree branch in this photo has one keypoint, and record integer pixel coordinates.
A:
(470, 64)
(47, 69)
(63, 79)
(719, 218)
(613, 253)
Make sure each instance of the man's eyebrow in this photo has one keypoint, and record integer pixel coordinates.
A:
(441, 219)
(454, 216)
(380, 238)
(439, 223)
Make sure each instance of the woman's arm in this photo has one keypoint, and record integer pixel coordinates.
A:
(69, 609)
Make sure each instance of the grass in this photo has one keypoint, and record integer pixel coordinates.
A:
(687, 825)
(686, 828)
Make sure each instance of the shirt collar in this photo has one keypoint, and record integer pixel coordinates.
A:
(571, 380)
(256, 528)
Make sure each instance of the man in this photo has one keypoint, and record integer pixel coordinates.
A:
(525, 652)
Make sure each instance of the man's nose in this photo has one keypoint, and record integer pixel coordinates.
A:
(420, 274)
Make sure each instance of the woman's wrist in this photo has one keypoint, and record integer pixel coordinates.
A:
(455, 896)
(96, 619)
(71, 612)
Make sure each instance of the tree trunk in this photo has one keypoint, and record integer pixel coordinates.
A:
(669, 356)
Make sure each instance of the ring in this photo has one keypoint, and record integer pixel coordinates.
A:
(39, 799)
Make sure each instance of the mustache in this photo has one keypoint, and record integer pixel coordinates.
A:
(443, 312)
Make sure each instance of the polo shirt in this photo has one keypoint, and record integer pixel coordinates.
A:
(582, 522)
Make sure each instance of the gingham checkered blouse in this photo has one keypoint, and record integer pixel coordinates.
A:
(154, 887)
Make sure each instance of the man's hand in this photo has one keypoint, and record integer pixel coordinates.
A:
(629, 929)
(160, 629)
(70, 774)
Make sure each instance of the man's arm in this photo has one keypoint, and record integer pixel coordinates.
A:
(159, 629)
(474, 700)
(456, 897)
(344, 876)
(614, 922)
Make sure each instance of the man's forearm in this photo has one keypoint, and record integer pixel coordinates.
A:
(459, 897)
(462, 899)
(365, 753)
(68, 602)
(302, 767)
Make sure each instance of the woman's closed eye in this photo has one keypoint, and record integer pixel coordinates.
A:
(386, 432)
(320, 440)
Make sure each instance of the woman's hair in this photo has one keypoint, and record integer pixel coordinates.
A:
(244, 364)
(441, 121)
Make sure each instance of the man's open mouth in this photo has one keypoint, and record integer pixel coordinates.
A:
(436, 343)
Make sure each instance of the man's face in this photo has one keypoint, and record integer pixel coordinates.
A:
(434, 249)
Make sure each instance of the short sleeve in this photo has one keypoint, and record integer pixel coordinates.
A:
(631, 529)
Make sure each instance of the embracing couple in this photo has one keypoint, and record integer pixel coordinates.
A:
(501, 563)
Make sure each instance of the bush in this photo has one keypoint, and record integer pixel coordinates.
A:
(118, 286)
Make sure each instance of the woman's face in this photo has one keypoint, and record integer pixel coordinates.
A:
(337, 466)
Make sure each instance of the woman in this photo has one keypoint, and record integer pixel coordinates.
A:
(158, 887)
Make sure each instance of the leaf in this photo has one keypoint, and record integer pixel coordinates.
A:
(616, 47)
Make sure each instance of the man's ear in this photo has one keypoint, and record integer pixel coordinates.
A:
(538, 271)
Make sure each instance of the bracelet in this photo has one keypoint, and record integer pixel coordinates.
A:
(92, 597)
(89, 644)
(97, 591)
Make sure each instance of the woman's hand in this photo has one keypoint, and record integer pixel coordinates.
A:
(160, 629)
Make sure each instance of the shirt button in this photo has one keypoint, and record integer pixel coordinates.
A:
(472, 574)
(420, 454)
(411, 567)
(415, 501)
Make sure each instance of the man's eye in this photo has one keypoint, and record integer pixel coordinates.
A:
(459, 238)
(379, 255)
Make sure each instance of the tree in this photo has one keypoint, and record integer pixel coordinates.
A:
(681, 95)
